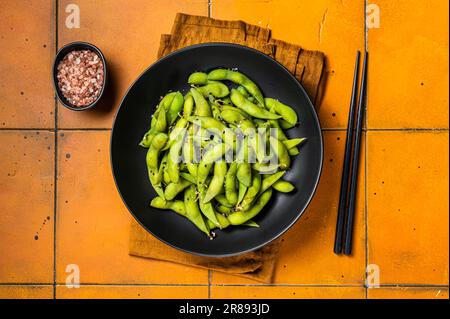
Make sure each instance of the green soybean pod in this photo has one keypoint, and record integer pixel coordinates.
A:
(198, 78)
(163, 169)
(216, 185)
(212, 155)
(179, 127)
(238, 218)
(265, 168)
(241, 102)
(236, 109)
(236, 118)
(252, 191)
(177, 205)
(154, 174)
(214, 88)
(238, 78)
(222, 200)
(223, 222)
(287, 113)
(173, 189)
(202, 107)
(173, 159)
(224, 210)
(158, 143)
(167, 100)
(189, 156)
(188, 177)
(250, 223)
(158, 124)
(283, 186)
(207, 209)
(293, 142)
(175, 108)
(207, 122)
(293, 151)
(242, 190)
(216, 111)
(188, 106)
(192, 210)
(244, 174)
(230, 184)
(284, 160)
(269, 180)
(280, 134)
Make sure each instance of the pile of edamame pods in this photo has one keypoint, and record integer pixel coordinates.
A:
(216, 153)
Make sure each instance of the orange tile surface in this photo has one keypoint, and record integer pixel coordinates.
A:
(408, 206)
(407, 293)
(133, 292)
(408, 81)
(261, 292)
(93, 223)
(306, 256)
(333, 27)
(27, 42)
(403, 184)
(128, 33)
(26, 292)
(26, 197)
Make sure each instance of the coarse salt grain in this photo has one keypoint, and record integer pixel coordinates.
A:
(80, 77)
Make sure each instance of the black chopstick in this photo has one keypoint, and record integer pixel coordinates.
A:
(355, 161)
(347, 161)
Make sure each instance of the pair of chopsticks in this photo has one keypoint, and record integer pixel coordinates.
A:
(349, 183)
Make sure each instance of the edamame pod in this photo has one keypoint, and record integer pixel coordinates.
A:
(252, 192)
(173, 189)
(242, 190)
(238, 78)
(284, 160)
(269, 180)
(283, 186)
(175, 108)
(198, 78)
(223, 222)
(238, 218)
(173, 159)
(188, 107)
(230, 184)
(293, 142)
(214, 88)
(192, 210)
(244, 174)
(188, 177)
(241, 102)
(202, 107)
(208, 210)
(177, 205)
(286, 112)
(208, 123)
(216, 185)
(250, 223)
(222, 200)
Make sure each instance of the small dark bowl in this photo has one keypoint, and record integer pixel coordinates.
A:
(60, 55)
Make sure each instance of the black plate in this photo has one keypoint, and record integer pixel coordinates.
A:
(133, 119)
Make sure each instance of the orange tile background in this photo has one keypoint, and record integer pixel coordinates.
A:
(56, 183)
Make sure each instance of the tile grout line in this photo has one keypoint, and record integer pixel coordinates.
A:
(55, 181)
(366, 164)
(209, 283)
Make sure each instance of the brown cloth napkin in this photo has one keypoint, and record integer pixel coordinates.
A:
(308, 68)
